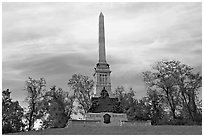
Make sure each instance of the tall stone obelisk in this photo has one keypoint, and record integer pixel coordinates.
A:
(105, 107)
(102, 50)
(102, 69)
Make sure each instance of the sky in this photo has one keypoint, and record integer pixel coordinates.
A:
(57, 40)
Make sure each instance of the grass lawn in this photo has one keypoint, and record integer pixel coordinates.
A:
(117, 130)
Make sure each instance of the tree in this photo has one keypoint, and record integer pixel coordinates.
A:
(135, 109)
(59, 106)
(156, 102)
(83, 89)
(127, 101)
(12, 114)
(177, 85)
(163, 83)
(189, 84)
(35, 89)
(143, 109)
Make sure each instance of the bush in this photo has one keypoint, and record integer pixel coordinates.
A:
(7, 129)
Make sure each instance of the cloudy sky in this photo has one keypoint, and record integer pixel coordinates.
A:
(56, 40)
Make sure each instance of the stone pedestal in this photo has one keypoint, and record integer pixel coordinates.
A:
(115, 118)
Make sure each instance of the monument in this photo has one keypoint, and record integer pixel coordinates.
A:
(102, 70)
(105, 106)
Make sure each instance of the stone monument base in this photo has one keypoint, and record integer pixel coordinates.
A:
(107, 118)
(97, 119)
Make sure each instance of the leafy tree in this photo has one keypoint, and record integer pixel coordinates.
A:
(12, 114)
(156, 102)
(164, 83)
(126, 99)
(119, 91)
(178, 86)
(83, 89)
(35, 89)
(188, 85)
(143, 109)
(135, 109)
(128, 102)
(59, 106)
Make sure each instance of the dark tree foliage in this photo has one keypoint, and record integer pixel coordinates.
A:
(59, 105)
(83, 89)
(126, 99)
(143, 109)
(12, 114)
(157, 109)
(135, 109)
(52, 107)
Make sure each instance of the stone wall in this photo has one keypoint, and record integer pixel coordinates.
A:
(97, 119)
(73, 122)
(115, 118)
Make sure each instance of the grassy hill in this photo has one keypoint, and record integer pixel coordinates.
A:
(119, 130)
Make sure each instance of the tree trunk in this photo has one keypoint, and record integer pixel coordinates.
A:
(31, 121)
(187, 105)
(172, 107)
(193, 106)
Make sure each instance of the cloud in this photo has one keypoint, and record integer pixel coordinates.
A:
(48, 65)
(56, 40)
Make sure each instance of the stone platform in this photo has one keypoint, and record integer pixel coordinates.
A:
(115, 118)
(98, 121)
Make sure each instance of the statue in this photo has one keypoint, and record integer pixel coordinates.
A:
(104, 103)
(104, 93)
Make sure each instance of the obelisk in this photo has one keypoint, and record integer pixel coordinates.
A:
(104, 108)
(102, 53)
(102, 69)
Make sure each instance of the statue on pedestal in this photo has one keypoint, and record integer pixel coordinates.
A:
(104, 103)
